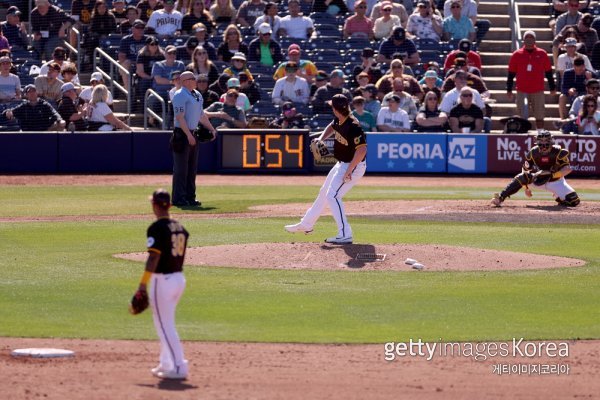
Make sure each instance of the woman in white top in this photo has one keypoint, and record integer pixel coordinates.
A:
(98, 111)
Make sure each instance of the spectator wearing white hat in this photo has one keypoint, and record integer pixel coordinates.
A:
(165, 22)
(242, 100)
(263, 48)
(86, 93)
(70, 108)
(295, 25)
(291, 88)
(238, 65)
(565, 60)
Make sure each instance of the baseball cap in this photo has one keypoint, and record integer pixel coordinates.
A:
(168, 1)
(138, 23)
(66, 87)
(587, 19)
(321, 75)
(358, 99)
(288, 105)
(529, 33)
(395, 98)
(29, 88)
(233, 83)
(460, 62)
(59, 52)
(368, 52)
(424, 2)
(337, 73)
(161, 197)
(571, 42)
(578, 61)
(430, 74)
(170, 48)
(96, 76)
(399, 33)
(465, 45)
(371, 88)
(291, 65)
(243, 77)
(199, 27)
(4, 59)
(294, 51)
(13, 10)
(239, 56)
(387, 6)
(118, 1)
(174, 75)
(338, 101)
(264, 28)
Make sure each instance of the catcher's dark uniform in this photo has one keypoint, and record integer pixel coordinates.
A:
(168, 238)
(548, 162)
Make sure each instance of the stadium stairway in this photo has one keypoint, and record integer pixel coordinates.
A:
(496, 49)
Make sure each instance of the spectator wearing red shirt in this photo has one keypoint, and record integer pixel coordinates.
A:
(465, 46)
(529, 65)
(359, 25)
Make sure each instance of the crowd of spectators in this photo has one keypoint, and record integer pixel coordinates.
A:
(253, 57)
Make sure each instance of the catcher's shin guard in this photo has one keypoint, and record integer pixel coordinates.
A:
(513, 187)
(571, 200)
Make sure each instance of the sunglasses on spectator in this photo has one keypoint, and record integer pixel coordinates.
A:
(361, 7)
(590, 105)
(387, 10)
(455, 6)
(232, 95)
(466, 95)
(171, 53)
(396, 67)
(152, 44)
(424, 6)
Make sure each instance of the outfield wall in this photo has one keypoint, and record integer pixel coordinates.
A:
(148, 151)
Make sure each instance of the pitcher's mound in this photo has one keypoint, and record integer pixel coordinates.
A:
(322, 256)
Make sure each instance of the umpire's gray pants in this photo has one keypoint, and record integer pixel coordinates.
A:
(185, 166)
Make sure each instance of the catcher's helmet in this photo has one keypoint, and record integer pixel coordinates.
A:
(544, 139)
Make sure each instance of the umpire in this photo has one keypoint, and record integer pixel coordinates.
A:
(188, 111)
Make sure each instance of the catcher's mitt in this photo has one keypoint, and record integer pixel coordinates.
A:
(139, 302)
(202, 134)
(541, 177)
(319, 149)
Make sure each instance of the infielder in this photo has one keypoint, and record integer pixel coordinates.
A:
(167, 241)
(350, 149)
(546, 166)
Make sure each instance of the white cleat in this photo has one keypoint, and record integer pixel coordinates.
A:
(339, 240)
(298, 228)
(157, 369)
(496, 201)
(171, 375)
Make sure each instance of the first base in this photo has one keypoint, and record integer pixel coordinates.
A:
(42, 353)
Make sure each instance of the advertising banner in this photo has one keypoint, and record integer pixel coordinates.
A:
(406, 152)
(467, 154)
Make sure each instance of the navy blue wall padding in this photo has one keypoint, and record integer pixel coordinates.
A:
(151, 152)
(94, 152)
(28, 152)
(207, 160)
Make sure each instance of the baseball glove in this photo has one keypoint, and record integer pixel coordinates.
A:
(202, 134)
(319, 149)
(139, 302)
(541, 177)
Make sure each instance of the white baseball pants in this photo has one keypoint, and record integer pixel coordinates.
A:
(331, 193)
(164, 297)
(559, 188)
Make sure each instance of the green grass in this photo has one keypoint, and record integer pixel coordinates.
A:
(59, 279)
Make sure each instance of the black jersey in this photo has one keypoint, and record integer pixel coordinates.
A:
(349, 136)
(552, 161)
(168, 238)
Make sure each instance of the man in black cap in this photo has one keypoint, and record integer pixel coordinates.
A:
(184, 52)
(464, 46)
(368, 65)
(70, 108)
(290, 118)
(14, 30)
(220, 85)
(350, 149)
(129, 48)
(35, 114)
(398, 43)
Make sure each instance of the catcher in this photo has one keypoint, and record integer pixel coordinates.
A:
(167, 242)
(350, 149)
(545, 166)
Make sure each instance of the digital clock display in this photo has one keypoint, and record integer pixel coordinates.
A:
(264, 150)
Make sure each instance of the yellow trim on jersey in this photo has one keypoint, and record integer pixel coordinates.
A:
(151, 249)
(341, 121)
(360, 145)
